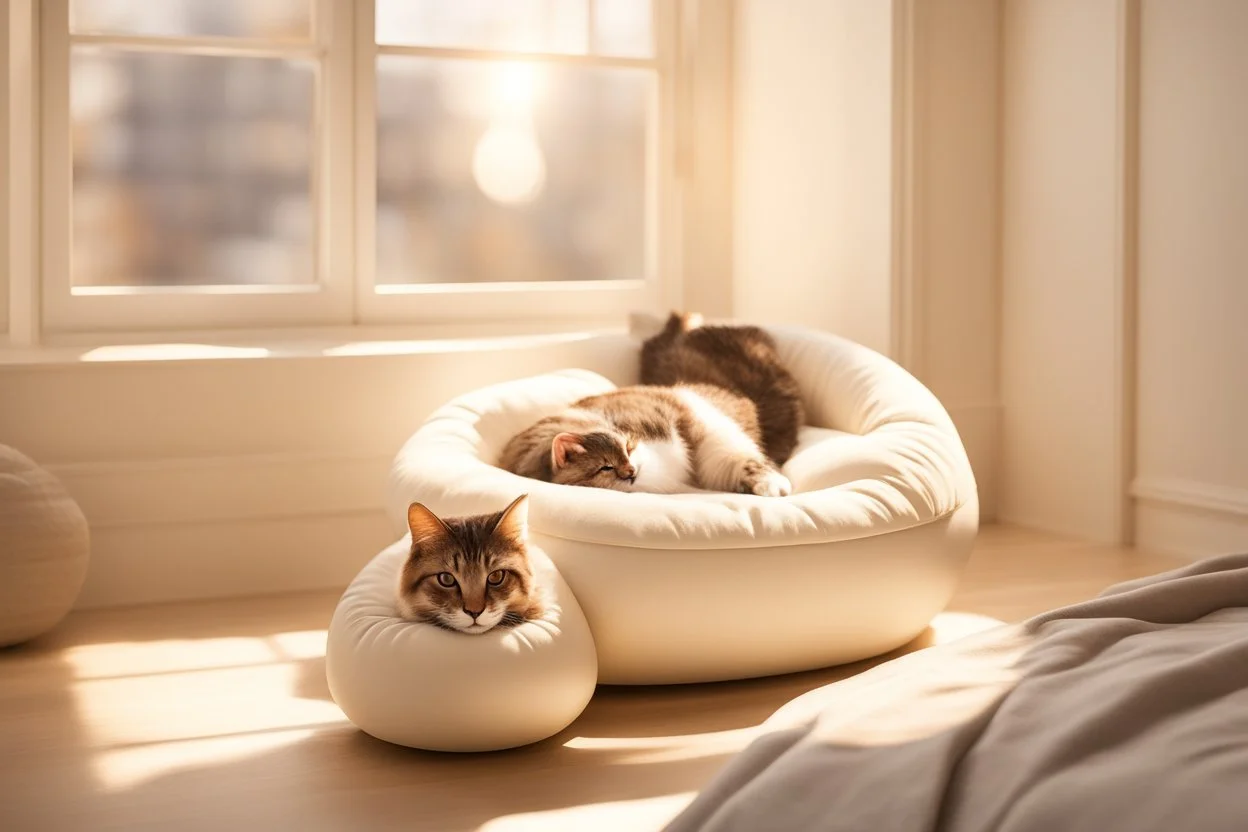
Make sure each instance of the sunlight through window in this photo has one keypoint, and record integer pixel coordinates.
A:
(622, 815)
(150, 708)
(951, 626)
(140, 658)
(170, 352)
(129, 767)
(648, 750)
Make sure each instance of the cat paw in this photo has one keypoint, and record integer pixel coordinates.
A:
(773, 484)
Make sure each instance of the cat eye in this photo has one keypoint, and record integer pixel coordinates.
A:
(496, 577)
(446, 579)
(604, 469)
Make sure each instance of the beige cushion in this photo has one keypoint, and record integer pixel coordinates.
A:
(414, 684)
(44, 548)
(698, 587)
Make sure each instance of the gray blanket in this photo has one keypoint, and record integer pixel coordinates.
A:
(1126, 712)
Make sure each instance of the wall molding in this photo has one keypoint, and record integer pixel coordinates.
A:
(1191, 495)
(117, 494)
(189, 528)
(231, 558)
(1189, 519)
(945, 194)
(907, 285)
(1126, 256)
(1069, 277)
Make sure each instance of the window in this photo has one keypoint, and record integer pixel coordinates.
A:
(5, 187)
(256, 163)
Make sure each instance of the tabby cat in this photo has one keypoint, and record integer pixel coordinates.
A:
(470, 574)
(742, 359)
(697, 426)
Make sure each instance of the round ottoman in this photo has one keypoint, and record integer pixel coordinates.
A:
(44, 548)
(705, 587)
(414, 684)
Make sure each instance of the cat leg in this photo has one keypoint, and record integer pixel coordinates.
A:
(723, 468)
(727, 459)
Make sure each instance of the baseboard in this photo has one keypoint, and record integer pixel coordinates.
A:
(117, 494)
(1188, 494)
(195, 528)
(230, 558)
(979, 425)
(1190, 519)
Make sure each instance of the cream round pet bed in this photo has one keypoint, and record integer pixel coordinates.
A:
(702, 587)
(679, 588)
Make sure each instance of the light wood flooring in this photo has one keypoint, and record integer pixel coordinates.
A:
(216, 715)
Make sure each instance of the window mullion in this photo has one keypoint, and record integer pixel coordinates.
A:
(55, 167)
(336, 114)
(365, 153)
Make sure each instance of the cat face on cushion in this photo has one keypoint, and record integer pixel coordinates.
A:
(469, 574)
(598, 459)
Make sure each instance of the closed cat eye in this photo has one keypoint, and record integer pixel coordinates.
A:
(446, 579)
(604, 469)
(496, 577)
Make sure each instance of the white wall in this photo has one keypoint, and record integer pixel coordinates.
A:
(955, 252)
(813, 142)
(1065, 267)
(1124, 279)
(867, 188)
(1192, 477)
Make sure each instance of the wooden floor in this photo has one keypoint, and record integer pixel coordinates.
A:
(216, 716)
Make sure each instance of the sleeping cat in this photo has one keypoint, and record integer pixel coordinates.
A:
(469, 574)
(738, 358)
(686, 436)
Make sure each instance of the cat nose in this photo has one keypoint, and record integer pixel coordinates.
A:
(474, 613)
(628, 472)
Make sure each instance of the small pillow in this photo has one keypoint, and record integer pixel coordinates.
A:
(417, 685)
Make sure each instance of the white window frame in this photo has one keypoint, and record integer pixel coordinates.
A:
(5, 169)
(18, 181)
(344, 181)
(326, 301)
(588, 299)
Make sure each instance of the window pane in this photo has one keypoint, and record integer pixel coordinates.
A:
(219, 18)
(497, 171)
(622, 27)
(514, 25)
(191, 170)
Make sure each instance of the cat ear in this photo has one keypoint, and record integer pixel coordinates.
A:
(514, 524)
(424, 524)
(564, 445)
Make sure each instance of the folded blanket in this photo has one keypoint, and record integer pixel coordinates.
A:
(1126, 712)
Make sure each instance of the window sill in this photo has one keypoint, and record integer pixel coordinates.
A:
(342, 342)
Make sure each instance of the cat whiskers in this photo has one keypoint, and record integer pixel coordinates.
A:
(437, 621)
(510, 619)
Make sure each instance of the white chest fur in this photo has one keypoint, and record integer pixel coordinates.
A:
(662, 467)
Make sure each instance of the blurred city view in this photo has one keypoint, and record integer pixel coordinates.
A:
(193, 169)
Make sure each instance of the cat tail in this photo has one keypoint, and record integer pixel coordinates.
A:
(648, 327)
(679, 323)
